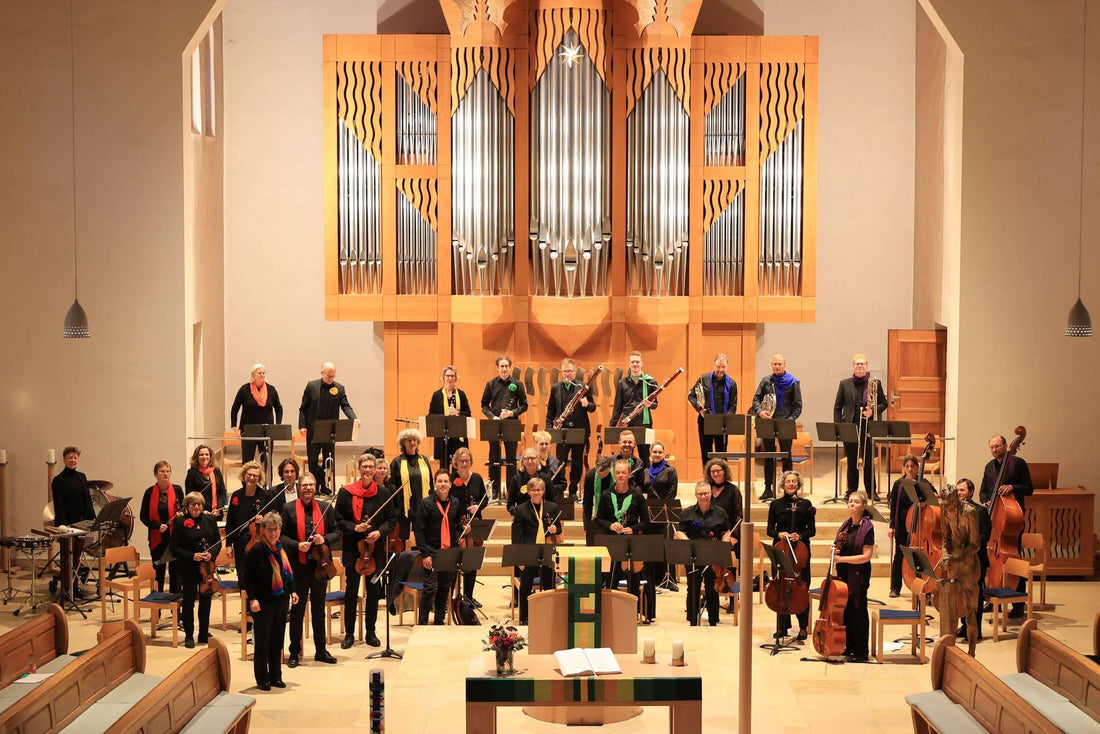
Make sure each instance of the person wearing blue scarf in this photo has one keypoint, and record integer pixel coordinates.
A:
(788, 405)
(660, 482)
(714, 393)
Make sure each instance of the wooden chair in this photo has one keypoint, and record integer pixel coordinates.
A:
(298, 443)
(1002, 597)
(127, 585)
(229, 440)
(334, 599)
(225, 588)
(915, 618)
(1038, 562)
(758, 563)
(156, 602)
(802, 451)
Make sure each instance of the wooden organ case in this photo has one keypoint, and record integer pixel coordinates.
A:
(575, 179)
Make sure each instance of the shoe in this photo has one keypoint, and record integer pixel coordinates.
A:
(278, 683)
(523, 623)
(894, 593)
(347, 642)
(960, 633)
(392, 608)
(858, 658)
(324, 656)
(372, 639)
(189, 642)
(769, 494)
(1015, 613)
(292, 661)
(264, 686)
(987, 608)
(203, 639)
(803, 633)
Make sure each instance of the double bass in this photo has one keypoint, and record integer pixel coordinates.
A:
(923, 522)
(788, 593)
(830, 634)
(1007, 518)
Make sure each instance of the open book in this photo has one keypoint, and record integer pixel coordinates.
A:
(587, 661)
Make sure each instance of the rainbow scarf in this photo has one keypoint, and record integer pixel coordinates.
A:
(281, 575)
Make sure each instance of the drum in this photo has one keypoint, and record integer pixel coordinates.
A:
(33, 542)
(7, 542)
(118, 536)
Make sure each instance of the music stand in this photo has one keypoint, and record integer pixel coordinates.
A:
(539, 555)
(889, 433)
(777, 429)
(642, 434)
(387, 652)
(269, 433)
(332, 432)
(920, 491)
(480, 530)
(837, 434)
(567, 436)
(781, 561)
(633, 549)
(722, 425)
(459, 560)
(446, 427)
(698, 554)
(664, 512)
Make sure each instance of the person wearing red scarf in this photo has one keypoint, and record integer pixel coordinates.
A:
(308, 522)
(195, 538)
(363, 513)
(206, 479)
(437, 526)
(258, 404)
(158, 508)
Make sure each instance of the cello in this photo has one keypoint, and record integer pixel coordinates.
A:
(830, 634)
(787, 594)
(923, 522)
(1007, 518)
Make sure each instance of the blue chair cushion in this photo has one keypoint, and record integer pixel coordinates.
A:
(899, 614)
(415, 585)
(162, 597)
(1003, 592)
(335, 595)
(229, 585)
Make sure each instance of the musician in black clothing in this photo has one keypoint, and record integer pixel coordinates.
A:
(469, 491)
(286, 491)
(194, 538)
(322, 399)
(551, 466)
(532, 523)
(363, 513)
(786, 392)
(622, 511)
(560, 396)
(725, 494)
(631, 391)
(517, 485)
(899, 531)
(597, 481)
(714, 393)
(246, 507)
(206, 479)
(628, 451)
(659, 480)
(269, 584)
(792, 519)
(306, 523)
(72, 500)
(965, 489)
(703, 521)
(449, 400)
(411, 474)
(258, 404)
(437, 526)
(855, 543)
(853, 401)
(158, 509)
(1016, 481)
(503, 398)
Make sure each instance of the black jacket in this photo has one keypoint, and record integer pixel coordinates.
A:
(707, 381)
(636, 516)
(346, 520)
(315, 408)
(436, 407)
(517, 489)
(559, 397)
(429, 523)
(792, 515)
(792, 399)
(187, 540)
(251, 413)
(849, 402)
(1017, 474)
(196, 481)
(628, 393)
(711, 525)
(258, 573)
(731, 500)
(469, 493)
(663, 486)
(525, 524)
(985, 530)
(243, 508)
(72, 501)
(499, 396)
(290, 537)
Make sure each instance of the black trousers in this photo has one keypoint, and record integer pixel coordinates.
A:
(704, 574)
(784, 620)
(494, 462)
(173, 578)
(372, 594)
(253, 450)
(527, 583)
(634, 583)
(851, 450)
(901, 540)
(444, 450)
(312, 589)
(857, 622)
(708, 444)
(436, 593)
(769, 464)
(576, 469)
(317, 453)
(268, 630)
(190, 582)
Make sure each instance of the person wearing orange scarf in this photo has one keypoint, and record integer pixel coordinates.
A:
(437, 526)
(206, 479)
(158, 509)
(258, 403)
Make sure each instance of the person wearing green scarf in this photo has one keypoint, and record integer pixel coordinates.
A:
(634, 389)
(596, 482)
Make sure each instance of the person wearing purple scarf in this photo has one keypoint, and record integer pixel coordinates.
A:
(852, 402)
(788, 405)
(855, 542)
(714, 393)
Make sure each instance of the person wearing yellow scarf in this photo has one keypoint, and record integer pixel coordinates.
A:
(449, 400)
(414, 477)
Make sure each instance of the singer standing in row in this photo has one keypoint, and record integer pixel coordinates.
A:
(449, 400)
(206, 479)
(631, 391)
(856, 403)
(258, 404)
(323, 399)
(158, 509)
(193, 540)
(503, 398)
(560, 396)
(714, 393)
(785, 403)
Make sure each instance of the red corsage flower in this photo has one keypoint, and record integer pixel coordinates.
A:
(189, 523)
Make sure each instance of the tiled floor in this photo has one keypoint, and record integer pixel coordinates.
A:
(425, 691)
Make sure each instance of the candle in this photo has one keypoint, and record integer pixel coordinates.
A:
(51, 457)
(677, 652)
(3, 456)
(649, 650)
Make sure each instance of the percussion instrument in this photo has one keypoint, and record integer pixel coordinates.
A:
(32, 542)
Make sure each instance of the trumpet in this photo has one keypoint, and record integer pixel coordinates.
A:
(872, 403)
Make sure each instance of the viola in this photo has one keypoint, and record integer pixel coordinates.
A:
(1007, 518)
(787, 593)
(830, 634)
(208, 573)
(923, 522)
(724, 576)
(255, 535)
(365, 565)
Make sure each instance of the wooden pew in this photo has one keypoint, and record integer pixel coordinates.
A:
(194, 695)
(60, 699)
(43, 638)
(1057, 680)
(967, 697)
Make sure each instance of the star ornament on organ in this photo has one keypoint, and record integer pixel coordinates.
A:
(571, 54)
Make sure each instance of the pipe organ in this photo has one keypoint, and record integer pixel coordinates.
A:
(665, 184)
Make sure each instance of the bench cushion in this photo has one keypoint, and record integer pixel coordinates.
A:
(133, 689)
(219, 714)
(944, 714)
(1053, 705)
(15, 691)
(102, 714)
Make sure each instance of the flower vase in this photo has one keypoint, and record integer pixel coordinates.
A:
(505, 663)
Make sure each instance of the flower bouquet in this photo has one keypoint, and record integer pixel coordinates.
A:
(504, 641)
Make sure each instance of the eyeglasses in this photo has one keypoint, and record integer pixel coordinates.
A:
(463, 461)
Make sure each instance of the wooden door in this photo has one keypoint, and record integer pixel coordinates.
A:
(917, 385)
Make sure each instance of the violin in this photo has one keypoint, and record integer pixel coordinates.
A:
(554, 539)
(467, 523)
(830, 634)
(923, 522)
(787, 593)
(255, 535)
(208, 572)
(322, 554)
(724, 576)
(1007, 518)
(365, 565)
